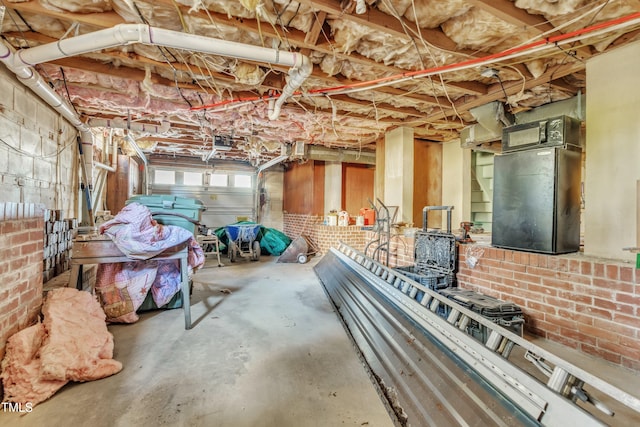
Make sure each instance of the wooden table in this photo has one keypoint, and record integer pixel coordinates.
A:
(100, 249)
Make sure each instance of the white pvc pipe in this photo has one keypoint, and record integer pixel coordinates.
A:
(140, 153)
(118, 35)
(114, 151)
(30, 78)
(114, 157)
(86, 139)
(100, 165)
(272, 162)
(125, 34)
(21, 64)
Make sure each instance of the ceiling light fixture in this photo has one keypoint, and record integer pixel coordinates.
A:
(489, 72)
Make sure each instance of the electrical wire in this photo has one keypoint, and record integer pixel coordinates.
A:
(597, 12)
(427, 47)
(547, 43)
(557, 28)
(434, 61)
(511, 53)
(164, 52)
(71, 142)
(66, 89)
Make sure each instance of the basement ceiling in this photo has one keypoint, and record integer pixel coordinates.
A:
(377, 65)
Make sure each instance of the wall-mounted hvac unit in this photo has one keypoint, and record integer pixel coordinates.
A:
(222, 142)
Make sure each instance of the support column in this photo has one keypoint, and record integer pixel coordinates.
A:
(333, 186)
(612, 153)
(398, 172)
(456, 182)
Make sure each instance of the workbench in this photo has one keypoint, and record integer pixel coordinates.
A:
(100, 249)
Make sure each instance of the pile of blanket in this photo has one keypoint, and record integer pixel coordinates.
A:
(123, 287)
(71, 344)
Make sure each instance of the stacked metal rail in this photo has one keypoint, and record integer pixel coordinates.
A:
(431, 372)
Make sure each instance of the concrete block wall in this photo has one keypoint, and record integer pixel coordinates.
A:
(21, 254)
(586, 303)
(38, 150)
(38, 170)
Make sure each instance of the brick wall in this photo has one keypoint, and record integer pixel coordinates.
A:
(296, 224)
(329, 236)
(401, 249)
(589, 304)
(21, 253)
(323, 235)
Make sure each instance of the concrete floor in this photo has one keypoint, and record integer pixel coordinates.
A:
(266, 349)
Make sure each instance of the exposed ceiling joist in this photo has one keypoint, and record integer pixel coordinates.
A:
(362, 83)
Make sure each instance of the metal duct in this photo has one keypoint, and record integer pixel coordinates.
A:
(491, 119)
(572, 107)
(315, 152)
(119, 123)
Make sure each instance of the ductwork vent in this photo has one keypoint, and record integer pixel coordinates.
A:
(482, 136)
(315, 152)
(479, 138)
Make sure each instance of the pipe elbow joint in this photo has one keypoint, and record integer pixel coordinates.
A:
(297, 75)
(274, 113)
(132, 33)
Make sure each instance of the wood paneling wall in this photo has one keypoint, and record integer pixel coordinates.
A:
(357, 186)
(304, 188)
(118, 185)
(427, 181)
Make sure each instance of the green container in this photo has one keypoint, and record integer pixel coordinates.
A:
(172, 210)
(149, 304)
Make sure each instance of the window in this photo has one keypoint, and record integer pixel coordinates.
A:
(192, 178)
(219, 180)
(242, 181)
(164, 177)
